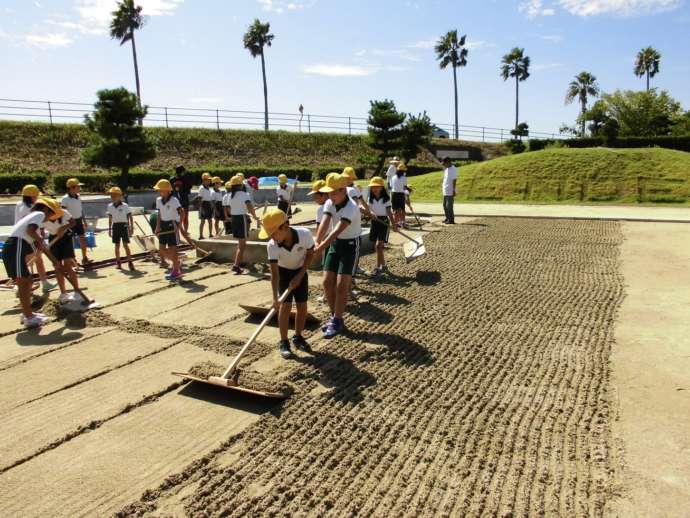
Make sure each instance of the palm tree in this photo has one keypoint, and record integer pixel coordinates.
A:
(127, 19)
(584, 85)
(255, 39)
(515, 64)
(451, 51)
(647, 63)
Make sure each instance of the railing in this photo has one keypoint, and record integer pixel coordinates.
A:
(168, 116)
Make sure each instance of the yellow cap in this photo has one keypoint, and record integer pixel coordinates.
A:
(115, 190)
(334, 182)
(329, 175)
(52, 205)
(241, 175)
(206, 176)
(282, 178)
(228, 185)
(163, 185)
(270, 222)
(350, 173)
(318, 184)
(73, 182)
(235, 180)
(30, 190)
(402, 167)
(216, 179)
(377, 181)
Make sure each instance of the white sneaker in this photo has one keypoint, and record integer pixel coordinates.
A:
(36, 321)
(64, 298)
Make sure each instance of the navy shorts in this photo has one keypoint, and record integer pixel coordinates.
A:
(78, 228)
(379, 231)
(120, 232)
(398, 201)
(299, 294)
(14, 256)
(63, 248)
(168, 239)
(206, 210)
(240, 229)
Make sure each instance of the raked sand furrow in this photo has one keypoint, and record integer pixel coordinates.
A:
(97, 473)
(51, 372)
(30, 428)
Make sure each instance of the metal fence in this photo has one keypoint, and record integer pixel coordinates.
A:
(169, 116)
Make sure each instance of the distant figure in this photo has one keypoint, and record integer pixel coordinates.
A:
(301, 116)
(392, 170)
(182, 194)
(450, 176)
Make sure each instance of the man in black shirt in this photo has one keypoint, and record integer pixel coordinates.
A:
(183, 192)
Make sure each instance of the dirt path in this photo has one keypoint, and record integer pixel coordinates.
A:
(475, 383)
(651, 368)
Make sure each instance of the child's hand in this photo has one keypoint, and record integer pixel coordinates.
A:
(276, 303)
(295, 282)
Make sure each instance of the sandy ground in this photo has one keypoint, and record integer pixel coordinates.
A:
(474, 381)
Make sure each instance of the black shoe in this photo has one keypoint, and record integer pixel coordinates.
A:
(284, 348)
(301, 344)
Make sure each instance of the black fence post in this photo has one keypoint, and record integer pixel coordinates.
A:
(309, 122)
(483, 140)
(349, 126)
(217, 121)
(50, 113)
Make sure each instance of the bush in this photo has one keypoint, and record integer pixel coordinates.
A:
(12, 183)
(681, 143)
(536, 144)
(516, 146)
(93, 182)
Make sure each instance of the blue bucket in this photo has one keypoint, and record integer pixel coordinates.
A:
(272, 181)
(90, 240)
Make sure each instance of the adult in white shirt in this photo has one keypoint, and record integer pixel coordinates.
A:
(450, 176)
(392, 170)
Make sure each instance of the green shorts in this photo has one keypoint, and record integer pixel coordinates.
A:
(342, 256)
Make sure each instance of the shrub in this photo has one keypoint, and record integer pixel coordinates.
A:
(516, 146)
(93, 182)
(12, 183)
(680, 143)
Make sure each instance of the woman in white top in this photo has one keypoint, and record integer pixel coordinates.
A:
(23, 241)
(399, 190)
(30, 194)
(240, 205)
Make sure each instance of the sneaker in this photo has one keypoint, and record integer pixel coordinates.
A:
(64, 298)
(175, 275)
(284, 348)
(354, 293)
(360, 271)
(384, 269)
(36, 321)
(301, 344)
(236, 270)
(48, 286)
(376, 272)
(335, 327)
(327, 323)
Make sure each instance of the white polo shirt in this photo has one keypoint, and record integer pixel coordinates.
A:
(353, 192)
(73, 205)
(119, 213)
(292, 258)
(390, 173)
(53, 227)
(217, 195)
(398, 183)
(21, 210)
(19, 230)
(283, 193)
(226, 199)
(168, 210)
(348, 211)
(205, 193)
(379, 206)
(449, 174)
(319, 213)
(238, 203)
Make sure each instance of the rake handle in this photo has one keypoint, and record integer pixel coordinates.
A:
(406, 236)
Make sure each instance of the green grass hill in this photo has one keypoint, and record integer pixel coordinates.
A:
(649, 175)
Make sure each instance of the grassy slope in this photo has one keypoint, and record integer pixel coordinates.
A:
(38, 147)
(571, 175)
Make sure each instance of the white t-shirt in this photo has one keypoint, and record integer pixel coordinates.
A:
(379, 206)
(20, 228)
(283, 193)
(391, 172)
(353, 192)
(73, 205)
(119, 213)
(205, 193)
(54, 226)
(168, 210)
(21, 210)
(319, 213)
(226, 199)
(238, 203)
(217, 195)
(449, 174)
(293, 258)
(347, 212)
(398, 183)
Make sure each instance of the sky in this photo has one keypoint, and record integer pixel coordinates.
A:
(334, 56)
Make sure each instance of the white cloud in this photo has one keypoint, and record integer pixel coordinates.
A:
(95, 15)
(618, 7)
(422, 44)
(546, 66)
(280, 6)
(338, 70)
(44, 40)
(534, 8)
(552, 38)
(479, 44)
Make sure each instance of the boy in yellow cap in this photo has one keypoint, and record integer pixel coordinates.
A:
(290, 252)
(319, 198)
(355, 195)
(338, 233)
(24, 240)
(283, 192)
(381, 223)
(30, 194)
(120, 225)
(399, 192)
(227, 215)
(61, 246)
(72, 202)
(217, 193)
(167, 226)
(240, 207)
(206, 205)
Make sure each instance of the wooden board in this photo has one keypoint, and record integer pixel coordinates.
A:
(262, 311)
(245, 390)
